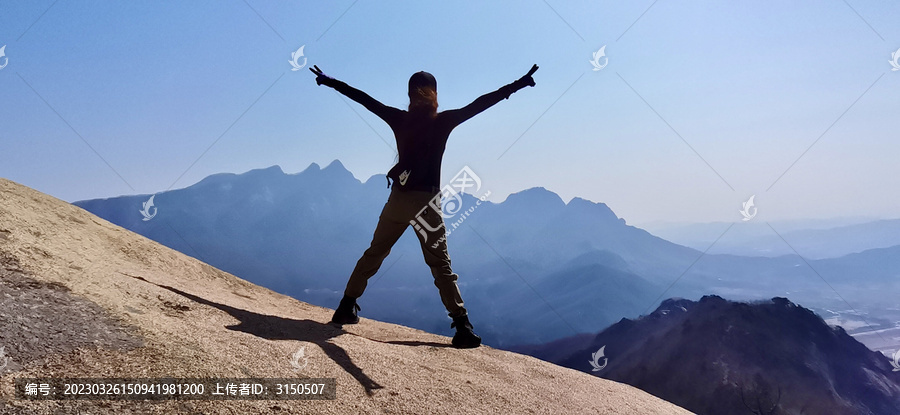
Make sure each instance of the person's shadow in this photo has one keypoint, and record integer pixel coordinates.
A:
(279, 328)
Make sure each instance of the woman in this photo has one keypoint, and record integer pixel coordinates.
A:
(421, 133)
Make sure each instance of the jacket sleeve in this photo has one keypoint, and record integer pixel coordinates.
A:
(458, 116)
(385, 112)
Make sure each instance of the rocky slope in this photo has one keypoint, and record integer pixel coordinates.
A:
(81, 297)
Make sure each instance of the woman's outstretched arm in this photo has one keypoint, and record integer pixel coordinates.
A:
(382, 111)
(488, 100)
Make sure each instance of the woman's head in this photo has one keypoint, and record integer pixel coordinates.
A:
(423, 93)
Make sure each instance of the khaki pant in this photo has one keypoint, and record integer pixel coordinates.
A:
(405, 208)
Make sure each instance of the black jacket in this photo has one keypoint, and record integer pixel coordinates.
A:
(421, 140)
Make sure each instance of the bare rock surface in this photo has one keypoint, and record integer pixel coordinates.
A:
(81, 297)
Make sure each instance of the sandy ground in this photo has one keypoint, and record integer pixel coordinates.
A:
(81, 297)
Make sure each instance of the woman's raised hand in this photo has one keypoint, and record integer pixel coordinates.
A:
(321, 78)
(527, 79)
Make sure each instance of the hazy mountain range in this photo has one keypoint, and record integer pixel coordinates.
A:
(532, 268)
(815, 239)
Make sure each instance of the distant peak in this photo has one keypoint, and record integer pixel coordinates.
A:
(536, 190)
(597, 207)
(784, 302)
(312, 167)
(333, 171)
(268, 171)
(712, 298)
(536, 194)
(581, 201)
(335, 164)
(221, 178)
(674, 304)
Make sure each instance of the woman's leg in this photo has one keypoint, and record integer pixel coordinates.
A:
(391, 225)
(434, 249)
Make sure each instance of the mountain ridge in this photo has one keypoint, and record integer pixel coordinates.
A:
(774, 350)
(301, 233)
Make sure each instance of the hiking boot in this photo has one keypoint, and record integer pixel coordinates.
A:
(346, 312)
(465, 338)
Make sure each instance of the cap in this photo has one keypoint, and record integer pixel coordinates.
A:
(422, 79)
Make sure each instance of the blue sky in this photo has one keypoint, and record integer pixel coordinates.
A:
(701, 105)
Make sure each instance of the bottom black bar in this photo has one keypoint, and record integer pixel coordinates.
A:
(176, 388)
